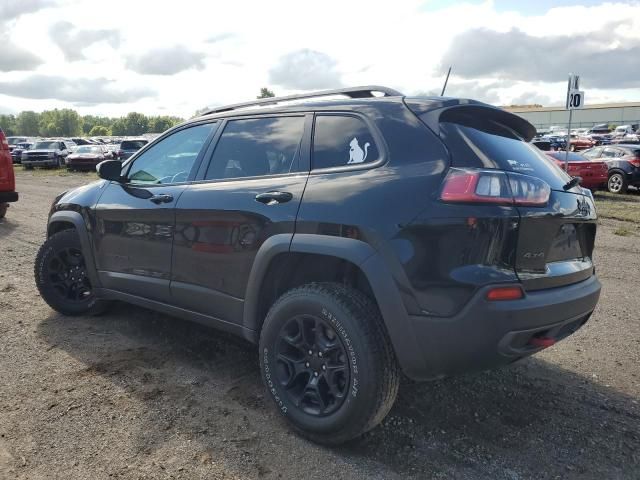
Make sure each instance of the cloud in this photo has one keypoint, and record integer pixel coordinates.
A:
(72, 41)
(166, 61)
(604, 58)
(221, 37)
(11, 9)
(14, 57)
(305, 70)
(84, 91)
(531, 98)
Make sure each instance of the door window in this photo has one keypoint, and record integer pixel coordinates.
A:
(257, 147)
(172, 158)
(341, 140)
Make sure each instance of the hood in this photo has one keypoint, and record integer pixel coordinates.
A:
(85, 155)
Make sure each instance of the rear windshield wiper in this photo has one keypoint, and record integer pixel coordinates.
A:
(572, 183)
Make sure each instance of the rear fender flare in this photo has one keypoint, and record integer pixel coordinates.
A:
(372, 264)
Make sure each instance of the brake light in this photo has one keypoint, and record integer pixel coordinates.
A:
(505, 293)
(635, 161)
(495, 187)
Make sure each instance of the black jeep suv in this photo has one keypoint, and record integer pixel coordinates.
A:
(351, 238)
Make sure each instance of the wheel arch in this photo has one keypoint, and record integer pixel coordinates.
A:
(370, 272)
(67, 220)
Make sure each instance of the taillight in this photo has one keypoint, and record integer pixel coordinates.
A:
(4, 145)
(504, 293)
(495, 187)
(635, 161)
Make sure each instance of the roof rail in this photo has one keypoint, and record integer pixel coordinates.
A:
(351, 92)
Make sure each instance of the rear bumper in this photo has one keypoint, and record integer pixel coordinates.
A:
(489, 334)
(6, 197)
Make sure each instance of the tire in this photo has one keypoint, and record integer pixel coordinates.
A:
(357, 377)
(61, 278)
(617, 183)
(3, 210)
(59, 162)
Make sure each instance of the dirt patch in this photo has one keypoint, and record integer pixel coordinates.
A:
(135, 394)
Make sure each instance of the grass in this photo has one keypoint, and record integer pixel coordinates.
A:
(55, 172)
(622, 232)
(619, 207)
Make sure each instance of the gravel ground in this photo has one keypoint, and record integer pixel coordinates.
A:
(135, 394)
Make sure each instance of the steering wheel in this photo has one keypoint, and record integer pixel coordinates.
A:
(180, 177)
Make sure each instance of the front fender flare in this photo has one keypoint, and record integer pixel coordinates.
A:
(80, 226)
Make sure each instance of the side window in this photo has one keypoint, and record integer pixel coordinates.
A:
(611, 152)
(62, 146)
(255, 147)
(171, 159)
(340, 140)
(593, 153)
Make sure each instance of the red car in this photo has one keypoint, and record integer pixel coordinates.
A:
(594, 173)
(7, 177)
(580, 143)
(86, 157)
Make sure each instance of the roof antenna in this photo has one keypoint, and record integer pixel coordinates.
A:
(446, 80)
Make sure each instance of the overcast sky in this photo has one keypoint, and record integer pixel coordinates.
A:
(156, 57)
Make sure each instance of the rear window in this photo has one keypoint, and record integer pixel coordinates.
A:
(476, 142)
(133, 144)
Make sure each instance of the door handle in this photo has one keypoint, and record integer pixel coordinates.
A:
(162, 198)
(272, 198)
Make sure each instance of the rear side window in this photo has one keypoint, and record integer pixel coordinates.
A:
(257, 147)
(340, 140)
(476, 142)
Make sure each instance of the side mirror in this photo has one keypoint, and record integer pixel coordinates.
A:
(110, 170)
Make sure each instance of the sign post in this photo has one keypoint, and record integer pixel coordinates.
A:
(575, 100)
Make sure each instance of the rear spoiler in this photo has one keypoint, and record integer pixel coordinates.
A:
(432, 111)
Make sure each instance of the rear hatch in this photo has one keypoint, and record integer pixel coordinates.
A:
(555, 238)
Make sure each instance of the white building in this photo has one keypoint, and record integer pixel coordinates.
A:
(611, 113)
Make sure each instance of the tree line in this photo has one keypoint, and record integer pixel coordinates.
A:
(68, 123)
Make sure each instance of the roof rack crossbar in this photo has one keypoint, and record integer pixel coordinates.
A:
(351, 92)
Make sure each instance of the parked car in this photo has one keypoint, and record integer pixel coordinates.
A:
(623, 130)
(13, 141)
(593, 173)
(600, 128)
(8, 192)
(45, 153)
(87, 157)
(601, 138)
(556, 142)
(623, 162)
(16, 153)
(543, 144)
(580, 143)
(349, 239)
(129, 147)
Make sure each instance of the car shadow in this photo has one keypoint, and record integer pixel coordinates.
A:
(532, 419)
(7, 224)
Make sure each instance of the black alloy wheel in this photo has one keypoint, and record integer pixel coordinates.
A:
(312, 365)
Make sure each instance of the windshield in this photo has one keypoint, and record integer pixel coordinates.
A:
(46, 146)
(88, 149)
(133, 144)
